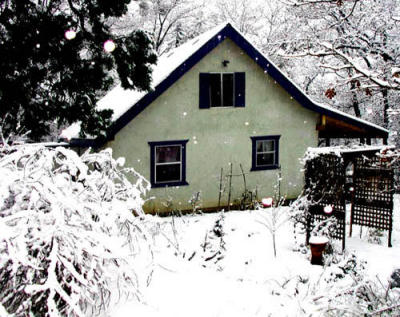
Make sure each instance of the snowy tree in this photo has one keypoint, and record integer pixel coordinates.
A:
(169, 22)
(72, 230)
(356, 45)
(57, 58)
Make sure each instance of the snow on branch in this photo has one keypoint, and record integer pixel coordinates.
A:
(348, 62)
(70, 230)
(351, 63)
(308, 2)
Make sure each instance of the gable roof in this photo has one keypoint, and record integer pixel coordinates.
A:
(127, 104)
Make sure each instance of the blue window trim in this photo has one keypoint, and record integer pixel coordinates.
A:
(254, 140)
(153, 145)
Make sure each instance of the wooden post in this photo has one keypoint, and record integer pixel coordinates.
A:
(328, 142)
(220, 188)
(308, 229)
(230, 188)
(244, 177)
(351, 214)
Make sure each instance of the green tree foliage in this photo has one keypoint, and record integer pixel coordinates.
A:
(46, 77)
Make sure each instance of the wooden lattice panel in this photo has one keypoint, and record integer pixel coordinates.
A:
(324, 184)
(324, 179)
(317, 215)
(373, 196)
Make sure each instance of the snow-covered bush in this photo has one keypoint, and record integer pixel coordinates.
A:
(213, 247)
(298, 213)
(273, 219)
(70, 231)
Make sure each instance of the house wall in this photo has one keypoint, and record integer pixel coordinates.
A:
(220, 136)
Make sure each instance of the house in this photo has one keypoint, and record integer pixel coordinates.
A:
(218, 102)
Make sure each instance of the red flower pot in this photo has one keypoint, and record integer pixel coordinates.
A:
(317, 245)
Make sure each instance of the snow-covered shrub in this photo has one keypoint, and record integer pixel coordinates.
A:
(344, 289)
(394, 281)
(273, 218)
(345, 266)
(214, 243)
(69, 234)
(298, 213)
(195, 201)
(374, 235)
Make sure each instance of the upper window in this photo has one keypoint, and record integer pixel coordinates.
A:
(222, 90)
(265, 152)
(168, 163)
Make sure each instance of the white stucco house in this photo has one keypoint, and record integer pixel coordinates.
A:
(218, 101)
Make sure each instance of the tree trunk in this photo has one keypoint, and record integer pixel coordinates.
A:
(385, 108)
(355, 103)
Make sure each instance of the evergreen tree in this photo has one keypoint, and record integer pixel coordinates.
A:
(55, 62)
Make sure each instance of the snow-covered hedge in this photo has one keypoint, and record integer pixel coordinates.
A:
(70, 230)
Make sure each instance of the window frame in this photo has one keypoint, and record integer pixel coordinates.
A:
(255, 139)
(239, 98)
(221, 77)
(154, 164)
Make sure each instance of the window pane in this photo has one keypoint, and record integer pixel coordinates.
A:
(168, 173)
(265, 159)
(227, 90)
(215, 90)
(265, 146)
(268, 146)
(259, 146)
(166, 154)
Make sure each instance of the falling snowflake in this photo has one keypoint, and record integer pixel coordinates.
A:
(70, 34)
(109, 46)
(328, 209)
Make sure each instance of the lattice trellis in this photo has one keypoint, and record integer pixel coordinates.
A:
(324, 184)
(372, 204)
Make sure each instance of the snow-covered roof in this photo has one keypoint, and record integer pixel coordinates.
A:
(120, 99)
(126, 104)
(338, 150)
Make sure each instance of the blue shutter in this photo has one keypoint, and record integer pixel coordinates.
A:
(240, 89)
(204, 91)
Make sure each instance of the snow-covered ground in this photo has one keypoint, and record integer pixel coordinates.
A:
(199, 272)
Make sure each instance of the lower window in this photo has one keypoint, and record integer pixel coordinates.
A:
(168, 163)
(265, 152)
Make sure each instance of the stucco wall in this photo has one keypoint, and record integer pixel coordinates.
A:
(219, 136)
